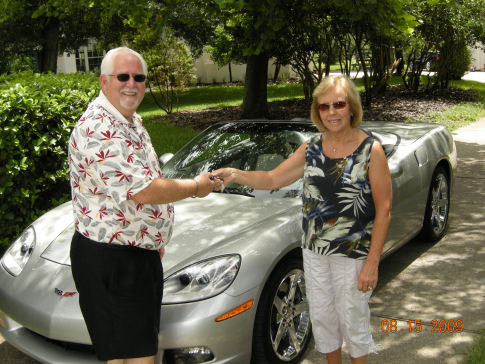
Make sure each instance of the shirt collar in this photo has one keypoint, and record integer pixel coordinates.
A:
(103, 101)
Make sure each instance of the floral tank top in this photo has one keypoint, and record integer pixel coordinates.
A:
(338, 209)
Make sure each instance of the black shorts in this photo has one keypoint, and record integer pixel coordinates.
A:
(120, 294)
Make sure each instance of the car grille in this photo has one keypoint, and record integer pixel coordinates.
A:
(84, 348)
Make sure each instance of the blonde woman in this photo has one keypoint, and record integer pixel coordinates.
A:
(347, 200)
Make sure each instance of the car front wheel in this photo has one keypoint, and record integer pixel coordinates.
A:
(282, 327)
(437, 207)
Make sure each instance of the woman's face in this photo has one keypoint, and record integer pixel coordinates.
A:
(334, 110)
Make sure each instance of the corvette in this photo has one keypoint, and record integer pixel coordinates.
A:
(234, 286)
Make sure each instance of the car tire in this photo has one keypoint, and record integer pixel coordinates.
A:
(282, 327)
(437, 207)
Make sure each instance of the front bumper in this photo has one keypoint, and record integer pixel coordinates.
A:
(182, 326)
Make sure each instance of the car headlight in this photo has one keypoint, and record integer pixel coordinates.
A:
(18, 254)
(201, 280)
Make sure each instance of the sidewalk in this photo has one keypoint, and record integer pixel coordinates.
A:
(444, 281)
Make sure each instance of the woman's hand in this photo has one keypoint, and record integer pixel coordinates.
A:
(228, 175)
(368, 277)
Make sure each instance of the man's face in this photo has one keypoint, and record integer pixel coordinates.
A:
(125, 96)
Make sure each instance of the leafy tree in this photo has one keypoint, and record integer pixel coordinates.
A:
(253, 25)
(374, 27)
(47, 28)
(221, 49)
(454, 28)
(169, 61)
(307, 42)
(445, 29)
(256, 25)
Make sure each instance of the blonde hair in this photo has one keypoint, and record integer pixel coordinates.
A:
(353, 99)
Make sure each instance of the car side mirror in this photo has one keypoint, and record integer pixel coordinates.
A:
(164, 158)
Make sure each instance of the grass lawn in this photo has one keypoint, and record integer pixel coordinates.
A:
(477, 353)
(197, 98)
(170, 138)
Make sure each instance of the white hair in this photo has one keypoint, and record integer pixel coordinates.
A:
(107, 65)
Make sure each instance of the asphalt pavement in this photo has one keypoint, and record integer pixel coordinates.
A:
(429, 305)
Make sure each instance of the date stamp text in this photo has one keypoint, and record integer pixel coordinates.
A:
(417, 326)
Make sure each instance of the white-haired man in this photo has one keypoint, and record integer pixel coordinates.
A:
(123, 215)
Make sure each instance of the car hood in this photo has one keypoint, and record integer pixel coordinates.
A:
(202, 227)
(43, 297)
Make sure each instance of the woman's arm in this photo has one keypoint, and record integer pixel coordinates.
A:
(381, 187)
(285, 174)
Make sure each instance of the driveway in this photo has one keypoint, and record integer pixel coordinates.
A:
(475, 76)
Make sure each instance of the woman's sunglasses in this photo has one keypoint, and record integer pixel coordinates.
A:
(123, 77)
(339, 105)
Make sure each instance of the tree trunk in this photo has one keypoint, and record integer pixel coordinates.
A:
(255, 103)
(48, 61)
(276, 72)
(366, 78)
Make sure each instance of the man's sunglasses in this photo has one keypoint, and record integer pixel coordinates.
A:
(123, 77)
(339, 105)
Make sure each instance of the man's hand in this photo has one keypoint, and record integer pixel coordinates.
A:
(207, 183)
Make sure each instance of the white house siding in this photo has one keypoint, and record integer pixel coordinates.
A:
(478, 58)
(66, 63)
(206, 71)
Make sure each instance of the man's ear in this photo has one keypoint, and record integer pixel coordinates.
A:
(103, 80)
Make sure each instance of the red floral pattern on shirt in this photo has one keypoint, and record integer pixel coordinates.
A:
(110, 160)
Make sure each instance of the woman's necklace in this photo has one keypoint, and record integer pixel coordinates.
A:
(349, 139)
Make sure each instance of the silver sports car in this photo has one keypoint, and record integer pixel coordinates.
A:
(234, 287)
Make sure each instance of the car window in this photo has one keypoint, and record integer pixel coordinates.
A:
(247, 146)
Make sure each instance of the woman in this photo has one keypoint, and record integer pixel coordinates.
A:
(347, 198)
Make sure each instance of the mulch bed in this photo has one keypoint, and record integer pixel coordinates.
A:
(397, 104)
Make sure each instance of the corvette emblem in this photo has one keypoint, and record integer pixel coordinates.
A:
(61, 293)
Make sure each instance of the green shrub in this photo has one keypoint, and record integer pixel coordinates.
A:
(37, 113)
(460, 65)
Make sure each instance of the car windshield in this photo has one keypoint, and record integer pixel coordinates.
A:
(244, 145)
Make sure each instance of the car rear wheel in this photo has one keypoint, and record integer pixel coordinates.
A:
(437, 207)
(282, 326)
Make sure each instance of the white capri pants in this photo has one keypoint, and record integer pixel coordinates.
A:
(338, 310)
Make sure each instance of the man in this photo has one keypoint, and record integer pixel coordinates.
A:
(123, 215)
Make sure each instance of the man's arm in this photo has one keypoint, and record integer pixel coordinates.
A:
(166, 190)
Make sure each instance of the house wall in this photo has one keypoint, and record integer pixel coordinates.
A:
(206, 71)
(66, 63)
(478, 58)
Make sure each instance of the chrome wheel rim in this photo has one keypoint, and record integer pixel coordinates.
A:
(439, 204)
(290, 316)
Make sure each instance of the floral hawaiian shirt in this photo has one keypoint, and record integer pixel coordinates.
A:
(110, 160)
(338, 209)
